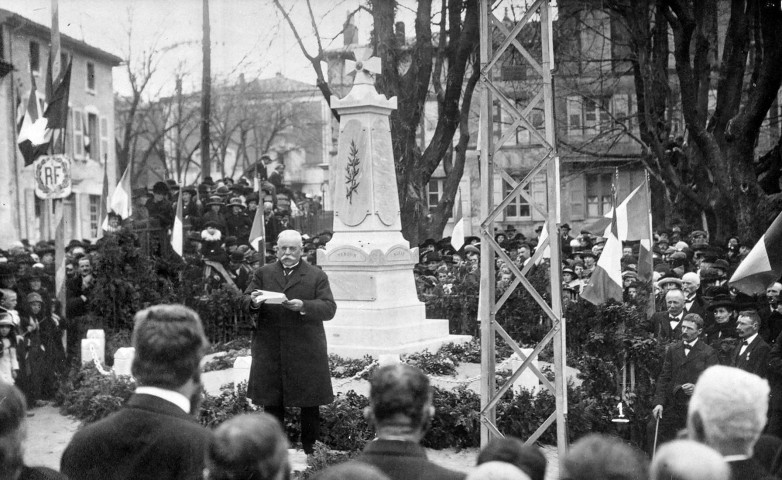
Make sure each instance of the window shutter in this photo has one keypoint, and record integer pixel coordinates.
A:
(78, 134)
(104, 139)
(538, 186)
(577, 195)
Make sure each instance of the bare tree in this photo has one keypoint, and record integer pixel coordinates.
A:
(407, 74)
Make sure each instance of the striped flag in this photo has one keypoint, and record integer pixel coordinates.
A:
(606, 280)
(763, 265)
(457, 236)
(543, 236)
(34, 138)
(120, 201)
(258, 230)
(104, 199)
(176, 231)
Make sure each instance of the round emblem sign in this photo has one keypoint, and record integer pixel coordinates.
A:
(53, 176)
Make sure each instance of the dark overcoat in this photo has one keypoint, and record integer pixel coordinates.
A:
(290, 363)
(754, 359)
(148, 439)
(678, 369)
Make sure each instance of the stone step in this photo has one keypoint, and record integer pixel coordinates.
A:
(385, 333)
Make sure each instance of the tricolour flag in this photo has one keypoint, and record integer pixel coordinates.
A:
(457, 236)
(33, 139)
(177, 230)
(763, 265)
(257, 231)
(104, 199)
(120, 201)
(606, 280)
(543, 236)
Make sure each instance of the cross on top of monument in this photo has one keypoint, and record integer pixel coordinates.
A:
(364, 67)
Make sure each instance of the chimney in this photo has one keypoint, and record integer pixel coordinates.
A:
(399, 30)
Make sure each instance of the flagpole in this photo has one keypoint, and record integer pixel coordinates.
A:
(59, 236)
(651, 306)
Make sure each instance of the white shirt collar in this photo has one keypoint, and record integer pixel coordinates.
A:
(176, 398)
(735, 458)
(692, 344)
(750, 339)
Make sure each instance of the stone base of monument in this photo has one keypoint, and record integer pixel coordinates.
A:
(364, 330)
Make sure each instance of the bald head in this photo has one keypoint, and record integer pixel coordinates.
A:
(250, 446)
(289, 247)
(674, 301)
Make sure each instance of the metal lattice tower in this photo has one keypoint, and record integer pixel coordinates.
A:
(492, 31)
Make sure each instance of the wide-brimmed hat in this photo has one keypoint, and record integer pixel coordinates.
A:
(669, 279)
(215, 200)
(722, 301)
(6, 320)
(191, 189)
(236, 202)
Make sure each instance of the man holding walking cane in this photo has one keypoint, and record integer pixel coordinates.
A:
(683, 363)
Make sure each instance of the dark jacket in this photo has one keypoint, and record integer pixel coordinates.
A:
(402, 460)
(679, 369)
(754, 359)
(659, 324)
(290, 364)
(774, 374)
(161, 213)
(149, 438)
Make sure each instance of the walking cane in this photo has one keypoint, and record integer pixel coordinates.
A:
(656, 428)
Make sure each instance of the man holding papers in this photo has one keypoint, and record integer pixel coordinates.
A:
(288, 301)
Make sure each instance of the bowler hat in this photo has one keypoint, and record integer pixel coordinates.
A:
(33, 297)
(215, 200)
(237, 257)
(236, 202)
(160, 188)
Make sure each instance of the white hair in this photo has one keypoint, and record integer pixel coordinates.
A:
(688, 460)
(676, 292)
(692, 278)
(497, 471)
(728, 409)
(290, 234)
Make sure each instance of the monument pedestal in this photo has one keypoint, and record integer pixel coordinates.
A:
(378, 311)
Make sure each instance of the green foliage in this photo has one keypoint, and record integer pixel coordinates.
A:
(439, 363)
(229, 403)
(89, 395)
(456, 421)
(323, 458)
(348, 367)
(223, 362)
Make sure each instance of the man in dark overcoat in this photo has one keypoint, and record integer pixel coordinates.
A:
(290, 366)
(155, 434)
(751, 355)
(683, 362)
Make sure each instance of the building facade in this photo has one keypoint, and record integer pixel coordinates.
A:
(24, 49)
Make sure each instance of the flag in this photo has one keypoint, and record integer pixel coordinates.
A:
(763, 265)
(457, 236)
(86, 136)
(176, 231)
(257, 231)
(57, 108)
(120, 202)
(543, 236)
(33, 139)
(104, 199)
(606, 280)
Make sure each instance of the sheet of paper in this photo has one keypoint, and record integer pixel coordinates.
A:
(272, 298)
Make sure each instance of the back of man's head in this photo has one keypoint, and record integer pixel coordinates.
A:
(688, 460)
(496, 471)
(352, 471)
(250, 446)
(399, 395)
(602, 456)
(12, 415)
(511, 450)
(728, 410)
(169, 342)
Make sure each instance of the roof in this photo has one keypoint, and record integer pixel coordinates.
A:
(28, 26)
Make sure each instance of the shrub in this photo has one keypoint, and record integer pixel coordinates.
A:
(456, 421)
(229, 403)
(348, 367)
(439, 363)
(223, 362)
(89, 395)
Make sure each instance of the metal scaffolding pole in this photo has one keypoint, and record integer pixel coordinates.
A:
(492, 32)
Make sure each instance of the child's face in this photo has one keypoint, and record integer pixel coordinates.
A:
(9, 301)
(211, 230)
(5, 330)
(35, 307)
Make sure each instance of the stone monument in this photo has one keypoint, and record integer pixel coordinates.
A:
(368, 261)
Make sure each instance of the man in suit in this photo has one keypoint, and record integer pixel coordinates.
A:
(667, 325)
(774, 375)
(683, 363)
(154, 436)
(751, 355)
(400, 408)
(727, 413)
(290, 365)
(693, 301)
(771, 314)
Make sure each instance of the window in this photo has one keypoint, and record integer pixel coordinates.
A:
(90, 77)
(434, 191)
(574, 115)
(35, 57)
(518, 207)
(497, 121)
(596, 116)
(94, 215)
(104, 139)
(598, 194)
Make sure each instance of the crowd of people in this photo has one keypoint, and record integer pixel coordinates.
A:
(154, 435)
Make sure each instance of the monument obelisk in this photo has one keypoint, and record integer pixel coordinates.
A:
(368, 261)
